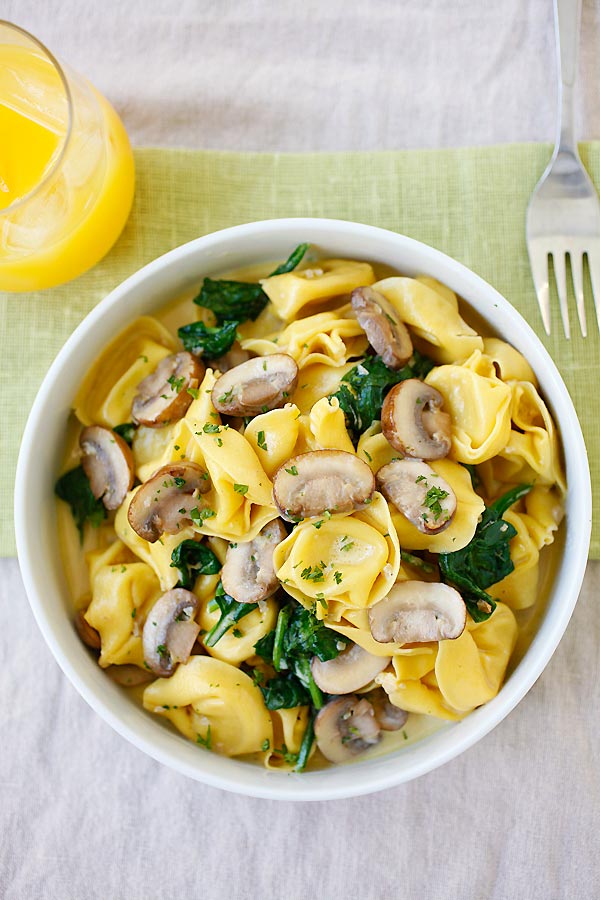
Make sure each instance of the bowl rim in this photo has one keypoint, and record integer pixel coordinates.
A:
(361, 777)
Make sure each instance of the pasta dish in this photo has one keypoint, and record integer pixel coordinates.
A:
(302, 512)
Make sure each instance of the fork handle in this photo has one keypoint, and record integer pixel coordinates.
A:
(567, 21)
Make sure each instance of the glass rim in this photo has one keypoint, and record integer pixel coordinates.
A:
(21, 201)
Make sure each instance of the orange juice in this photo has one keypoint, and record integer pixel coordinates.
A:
(66, 170)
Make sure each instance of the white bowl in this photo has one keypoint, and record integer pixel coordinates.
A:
(40, 458)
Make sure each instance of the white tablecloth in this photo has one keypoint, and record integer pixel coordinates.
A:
(85, 815)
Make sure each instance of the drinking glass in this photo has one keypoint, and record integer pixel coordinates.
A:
(66, 168)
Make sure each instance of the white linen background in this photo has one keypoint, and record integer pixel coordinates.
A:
(85, 815)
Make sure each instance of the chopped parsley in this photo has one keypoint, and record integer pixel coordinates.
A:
(316, 575)
(433, 499)
(199, 516)
(176, 383)
(205, 741)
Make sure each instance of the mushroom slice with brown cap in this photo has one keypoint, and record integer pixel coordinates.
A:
(256, 386)
(389, 716)
(164, 396)
(387, 335)
(85, 631)
(348, 672)
(108, 463)
(418, 493)
(346, 727)
(248, 574)
(417, 611)
(163, 504)
(311, 483)
(413, 421)
(170, 631)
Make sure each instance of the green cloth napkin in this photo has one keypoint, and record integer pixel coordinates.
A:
(470, 203)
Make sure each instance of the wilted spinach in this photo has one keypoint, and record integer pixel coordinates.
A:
(74, 488)
(239, 300)
(363, 389)
(192, 559)
(231, 612)
(204, 340)
(289, 648)
(486, 558)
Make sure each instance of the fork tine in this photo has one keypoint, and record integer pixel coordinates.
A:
(577, 276)
(594, 266)
(560, 274)
(539, 270)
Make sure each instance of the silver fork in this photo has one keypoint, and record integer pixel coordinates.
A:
(563, 216)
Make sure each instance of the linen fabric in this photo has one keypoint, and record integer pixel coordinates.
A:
(83, 814)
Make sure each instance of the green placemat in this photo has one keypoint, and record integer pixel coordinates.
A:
(470, 203)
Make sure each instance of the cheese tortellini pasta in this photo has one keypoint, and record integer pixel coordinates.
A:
(330, 549)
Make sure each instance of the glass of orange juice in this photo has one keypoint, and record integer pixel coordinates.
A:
(66, 168)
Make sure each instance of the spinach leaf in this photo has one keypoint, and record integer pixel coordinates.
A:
(285, 692)
(238, 300)
(192, 559)
(297, 637)
(74, 488)
(363, 388)
(203, 340)
(127, 431)
(231, 612)
(307, 742)
(291, 262)
(486, 558)
(307, 636)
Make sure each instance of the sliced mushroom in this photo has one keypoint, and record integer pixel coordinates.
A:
(161, 638)
(235, 356)
(348, 672)
(418, 493)
(413, 421)
(129, 675)
(390, 717)
(417, 611)
(163, 504)
(85, 631)
(345, 728)
(255, 386)
(108, 463)
(387, 335)
(164, 396)
(248, 574)
(311, 483)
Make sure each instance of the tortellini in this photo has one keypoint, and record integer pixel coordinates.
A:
(107, 391)
(328, 338)
(459, 675)
(213, 703)
(353, 560)
(337, 566)
(292, 292)
(479, 404)
(433, 316)
(122, 595)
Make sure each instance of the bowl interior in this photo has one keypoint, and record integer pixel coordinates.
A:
(145, 292)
